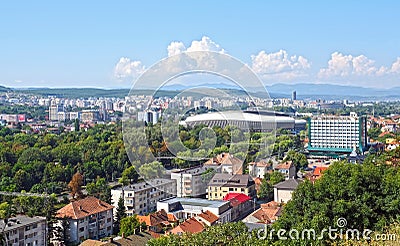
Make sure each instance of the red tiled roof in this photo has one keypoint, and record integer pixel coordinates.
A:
(189, 226)
(82, 208)
(209, 216)
(236, 198)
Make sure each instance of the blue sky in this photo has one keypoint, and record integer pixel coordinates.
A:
(76, 43)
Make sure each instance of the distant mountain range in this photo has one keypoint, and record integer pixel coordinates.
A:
(303, 91)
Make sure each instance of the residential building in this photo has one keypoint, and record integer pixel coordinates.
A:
(90, 116)
(191, 182)
(54, 109)
(222, 184)
(184, 208)
(24, 230)
(149, 116)
(89, 218)
(225, 163)
(191, 226)
(266, 214)
(141, 198)
(331, 134)
(159, 221)
(259, 169)
(287, 169)
(208, 218)
(283, 190)
(241, 204)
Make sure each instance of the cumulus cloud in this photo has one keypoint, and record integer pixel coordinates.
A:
(126, 68)
(205, 44)
(279, 65)
(341, 65)
(395, 68)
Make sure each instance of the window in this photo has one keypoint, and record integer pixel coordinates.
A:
(82, 229)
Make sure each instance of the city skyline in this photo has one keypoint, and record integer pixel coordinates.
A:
(108, 45)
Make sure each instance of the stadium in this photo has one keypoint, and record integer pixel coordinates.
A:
(256, 121)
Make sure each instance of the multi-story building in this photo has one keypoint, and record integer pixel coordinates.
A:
(259, 169)
(88, 218)
(141, 198)
(90, 115)
(185, 208)
(24, 230)
(222, 184)
(287, 169)
(225, 163)
(149, 116)
(74, 115)
(54, 109)
(337, 134)
(191, 182)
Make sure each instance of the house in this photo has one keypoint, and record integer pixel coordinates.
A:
(191, 182)
(208, 218)
(185, 208)
(88, 218)
(316, 173)
(191, 225)
(136, 239)
(158, 221)
(24, 230)
(225, 163)
(222, 183)
(266, 214)
(283, 190)
(241, 204)
(287, 168)
(259, 169)
(141, 198)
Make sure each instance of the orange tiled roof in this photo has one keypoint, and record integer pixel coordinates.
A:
(268, 212)
(318, 171)
(209, 216)
(189, 226)
(285, 165)
(82, 208)
(157, 218)
(260, 164)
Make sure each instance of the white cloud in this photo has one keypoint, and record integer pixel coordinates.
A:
(279, 65)
(395, 66)
(205, 44)
(175, 48)
(126, 68)
(341, 65)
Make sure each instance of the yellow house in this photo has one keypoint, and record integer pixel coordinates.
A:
(222, 184)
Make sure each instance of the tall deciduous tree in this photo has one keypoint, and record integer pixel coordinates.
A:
(75, 185)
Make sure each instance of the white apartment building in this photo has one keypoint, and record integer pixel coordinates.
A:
(89, 218)
(185, 208)
(24, 230)
(339, 134)
(191, 182)
(141, 198)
